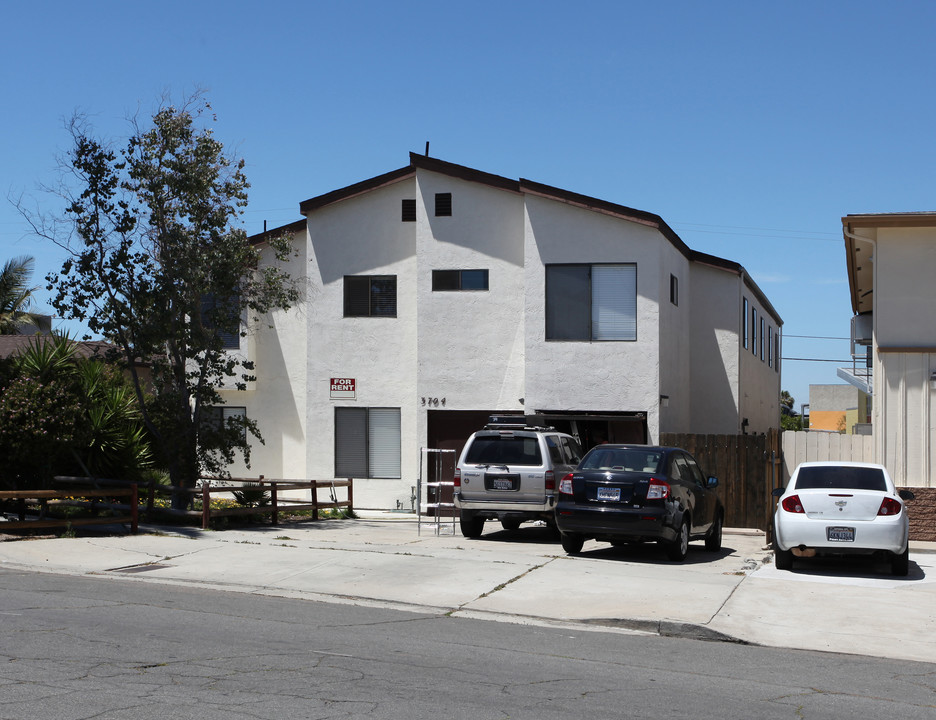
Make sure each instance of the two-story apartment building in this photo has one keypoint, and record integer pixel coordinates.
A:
(437, 295)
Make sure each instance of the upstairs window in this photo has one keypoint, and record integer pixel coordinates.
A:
(459, 280)
(674, 289)
(754, 331)
(370, 296)
(762, 339)
(408, 210)
(744, 325)
(443, 204)
(770, 335)
(591, 302)
(222, 315)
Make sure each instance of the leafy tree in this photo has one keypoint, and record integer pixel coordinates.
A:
(64, 414)
(786, 400)
(158, 267)
(15, 294)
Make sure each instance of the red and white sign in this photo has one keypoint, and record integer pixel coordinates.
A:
(342, 389)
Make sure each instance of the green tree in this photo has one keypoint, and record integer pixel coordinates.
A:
(16, 294)
(159, 267)
(61, 413)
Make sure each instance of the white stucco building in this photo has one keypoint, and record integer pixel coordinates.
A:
(437, 294)
(891, 261)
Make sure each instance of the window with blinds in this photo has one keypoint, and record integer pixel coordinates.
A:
(591, 302)
(367, 443)
(370, 296)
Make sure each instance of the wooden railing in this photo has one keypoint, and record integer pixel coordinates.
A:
(81, 490)
(77, 496)
(278, 502)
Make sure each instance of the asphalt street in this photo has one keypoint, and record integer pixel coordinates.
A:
(386, 560)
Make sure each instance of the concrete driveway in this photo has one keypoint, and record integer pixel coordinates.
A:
(524, 576)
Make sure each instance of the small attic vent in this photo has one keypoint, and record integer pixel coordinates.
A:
(443, 204)
(409, 210)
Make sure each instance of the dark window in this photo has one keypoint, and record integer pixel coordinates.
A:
(572, 451)
(408, 210)
(367, 442)
(216, 419)
(443, 204)
(502, 450)
(840, 477)
(674, 289)
(770, 345)
(224, 317)
(370, 296)
(459, 279)
(762, 339)
(754, 331)
(591, 302)
(744, 325)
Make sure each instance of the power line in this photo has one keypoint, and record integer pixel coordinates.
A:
(816, 337)
(846, 362)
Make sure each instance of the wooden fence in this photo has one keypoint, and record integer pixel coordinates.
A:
(807, 445)
(277, 501)
(748, 467)
(73, 497)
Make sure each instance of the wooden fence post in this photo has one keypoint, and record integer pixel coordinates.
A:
(206, 505)
(134, 509)
(350, 495)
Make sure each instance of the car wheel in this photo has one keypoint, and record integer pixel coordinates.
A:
(679, 548)
(572, 544)
(471, 525)
(510, 524)
(783, 559)
(900, 564)
(714, 537)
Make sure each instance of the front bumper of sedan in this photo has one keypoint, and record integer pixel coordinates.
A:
(606, 524)
(798, 530)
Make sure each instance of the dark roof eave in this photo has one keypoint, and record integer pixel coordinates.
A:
(292, 227)
(359, 188)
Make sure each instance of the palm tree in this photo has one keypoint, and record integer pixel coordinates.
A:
(15, 294)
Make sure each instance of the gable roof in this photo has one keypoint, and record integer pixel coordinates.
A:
(524, 187)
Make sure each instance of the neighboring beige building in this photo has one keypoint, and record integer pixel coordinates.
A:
(839, 408)
(891, 269)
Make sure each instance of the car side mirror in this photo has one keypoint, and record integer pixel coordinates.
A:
(712, 483)
(906, 495)
(777, 492)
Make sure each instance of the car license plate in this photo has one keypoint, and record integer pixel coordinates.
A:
(840, 534)
(496, 481)
(606, 493)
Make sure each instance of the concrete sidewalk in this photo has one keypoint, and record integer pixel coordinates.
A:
(524, 576)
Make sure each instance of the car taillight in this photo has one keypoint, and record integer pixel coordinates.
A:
(658, 489)
(565, 485)
(890, 507)
(792, 504)
(457, 478)
(550, 480)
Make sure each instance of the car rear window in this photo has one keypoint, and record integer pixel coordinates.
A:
(840, 478)
(631, 459)
(501, 450)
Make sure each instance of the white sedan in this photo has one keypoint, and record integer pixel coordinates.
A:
(840, 508)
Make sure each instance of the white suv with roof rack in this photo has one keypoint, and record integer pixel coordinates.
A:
(508, 472)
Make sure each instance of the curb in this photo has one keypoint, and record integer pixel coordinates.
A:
(668, 628)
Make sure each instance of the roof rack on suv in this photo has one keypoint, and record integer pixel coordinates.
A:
(512, 422)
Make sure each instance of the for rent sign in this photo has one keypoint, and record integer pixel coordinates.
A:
(342, 389)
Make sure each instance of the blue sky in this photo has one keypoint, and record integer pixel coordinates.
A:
(750, 127)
